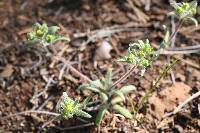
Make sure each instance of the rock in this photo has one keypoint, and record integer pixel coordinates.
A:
(168, 99)
(103, 52)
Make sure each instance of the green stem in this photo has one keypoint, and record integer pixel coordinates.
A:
(128, 73)
(143, 100)
(175, 32)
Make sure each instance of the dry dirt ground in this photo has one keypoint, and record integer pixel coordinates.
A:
(23, 74)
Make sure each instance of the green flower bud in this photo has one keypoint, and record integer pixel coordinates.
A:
(184, 10)
(68, 107)
(31, 36)
(41, 30)
(50, 38)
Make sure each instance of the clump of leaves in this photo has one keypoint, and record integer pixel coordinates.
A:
(185, 11)
(42, 36)
(111, 99)
(139, 54)
(67, 108)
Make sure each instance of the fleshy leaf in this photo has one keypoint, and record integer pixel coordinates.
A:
(88, 87)
(108, 78)
(103, 97)
(193, 20)
(86, 101)
(119, 93)
(100, 116)
(53, 29)
(82, 113)
(127, 89)
(116, 100)
(122, 110)
(97, 84)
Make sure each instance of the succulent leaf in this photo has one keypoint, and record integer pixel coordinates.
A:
(116, 100)
(100, 116)
(120, 94)
(122, 110)
(127, 89)
(103, 97)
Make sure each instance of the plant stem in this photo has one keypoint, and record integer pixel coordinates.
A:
(31, 111)
(148, 93)
(176, 30)
(123, 77)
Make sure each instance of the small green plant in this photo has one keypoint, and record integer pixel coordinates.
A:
(111, 99)
(184, 11)
(139, 54)
(42, 36)
(68, 108)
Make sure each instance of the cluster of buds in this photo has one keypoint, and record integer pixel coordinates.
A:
(44, 35)
(139, 54)
(68, 108)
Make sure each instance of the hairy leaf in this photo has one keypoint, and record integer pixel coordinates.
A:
(193, 20)
(82, 113)
(100, 116)
(119, 93)
(88, 87)
(53, 29)
(108, 78)
(116, 100)
(127, 89)
(122, 110)
(103, 97)
(86, 101)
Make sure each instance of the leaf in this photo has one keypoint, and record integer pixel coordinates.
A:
(108, 78)
(76, 102)
(82, 113)
(125, 112)
(86, 101)
(97, 84)
(88, 87)
(100, 116)
(119, 93)
(193, 20)
(127, 89)
(116, 100)
(61, 38)
(166, 38)
(171, 14)
(53, 29)
(103, 97)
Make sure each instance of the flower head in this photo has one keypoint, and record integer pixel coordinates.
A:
(68, 107)
(43, 35)
(139, 54)
(185, 11)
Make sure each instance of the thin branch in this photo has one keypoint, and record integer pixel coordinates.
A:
(128, 73)
(186, 102)
(183, 48)
(60, 55)
(45, 89)
(30, 111)
(74, 70)
(183, 104)
(44, 103)
(166, 52)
